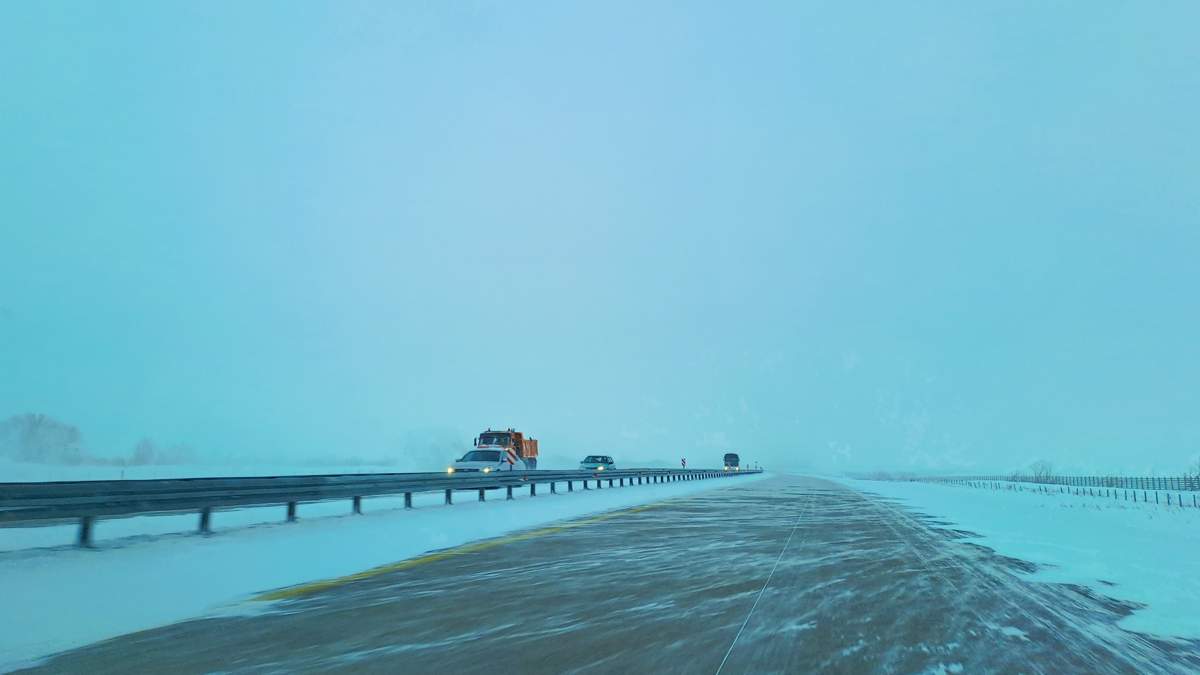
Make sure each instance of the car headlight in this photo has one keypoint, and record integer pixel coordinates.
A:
(487, 469)
(599, 468)
(449, 469)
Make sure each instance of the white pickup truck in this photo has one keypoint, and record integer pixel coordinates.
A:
(483, 461)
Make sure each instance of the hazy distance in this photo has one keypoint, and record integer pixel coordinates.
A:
(852, 237)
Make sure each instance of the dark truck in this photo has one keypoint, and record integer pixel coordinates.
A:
(731, 461)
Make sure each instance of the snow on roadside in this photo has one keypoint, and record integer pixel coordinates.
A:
(25, 472)
(61, 598)
(1146, 553)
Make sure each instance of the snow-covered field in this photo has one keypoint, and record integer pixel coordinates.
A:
(1145, 552)
(23, 472)
(138, 577)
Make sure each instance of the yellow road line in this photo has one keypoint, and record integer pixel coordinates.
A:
(304, 590)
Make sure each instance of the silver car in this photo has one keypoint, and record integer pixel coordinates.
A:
(597, 463)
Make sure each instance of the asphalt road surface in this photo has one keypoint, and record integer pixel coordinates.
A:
(787, 575)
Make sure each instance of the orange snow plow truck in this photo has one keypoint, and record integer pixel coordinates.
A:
(515, 446)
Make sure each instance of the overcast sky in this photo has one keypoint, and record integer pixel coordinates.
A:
(951, 236)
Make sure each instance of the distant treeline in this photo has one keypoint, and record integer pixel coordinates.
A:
(41, 439)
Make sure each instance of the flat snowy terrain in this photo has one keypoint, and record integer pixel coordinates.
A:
(1145, 553)
(26, 472)
(13, 539)
(63, 597)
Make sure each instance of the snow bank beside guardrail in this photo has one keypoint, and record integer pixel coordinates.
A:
(57, 599)
(1142, 552)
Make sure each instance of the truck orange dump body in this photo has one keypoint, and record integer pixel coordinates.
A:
(526, 448)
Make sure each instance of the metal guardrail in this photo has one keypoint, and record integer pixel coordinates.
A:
(50, 503)
(1174, 484)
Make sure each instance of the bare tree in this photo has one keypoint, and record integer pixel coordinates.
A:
(1042, 471)
(145, 452)
(34, 437)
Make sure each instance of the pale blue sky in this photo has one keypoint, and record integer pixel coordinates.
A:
(895, 235)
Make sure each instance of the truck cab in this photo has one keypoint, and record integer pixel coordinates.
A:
(732, 462)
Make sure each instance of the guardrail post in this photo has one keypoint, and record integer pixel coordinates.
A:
(570, 486)
(358, 506)
(598, 486)
(509, 497)
(291, 512)
(481, 493)
(408, 500)
(610, 482)
(533, 489)
(85, 531)
(622, 482)
(206, 520)
(553, 490)
(449, 496)
(585, 484)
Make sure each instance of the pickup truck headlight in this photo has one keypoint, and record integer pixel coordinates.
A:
(449, 469)
(487, 469)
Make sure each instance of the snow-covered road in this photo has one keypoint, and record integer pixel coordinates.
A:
(152, 571)
(784, 574)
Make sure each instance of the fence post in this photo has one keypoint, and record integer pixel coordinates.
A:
(408, 500)
(206, 520)
(85, 531)
(570, 486)
(482, 492)
(509, 495)
(291, 511)
(533, 489)
(358, 506)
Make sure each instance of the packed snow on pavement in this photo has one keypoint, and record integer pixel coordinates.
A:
(63, 597)
(1141, 552)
